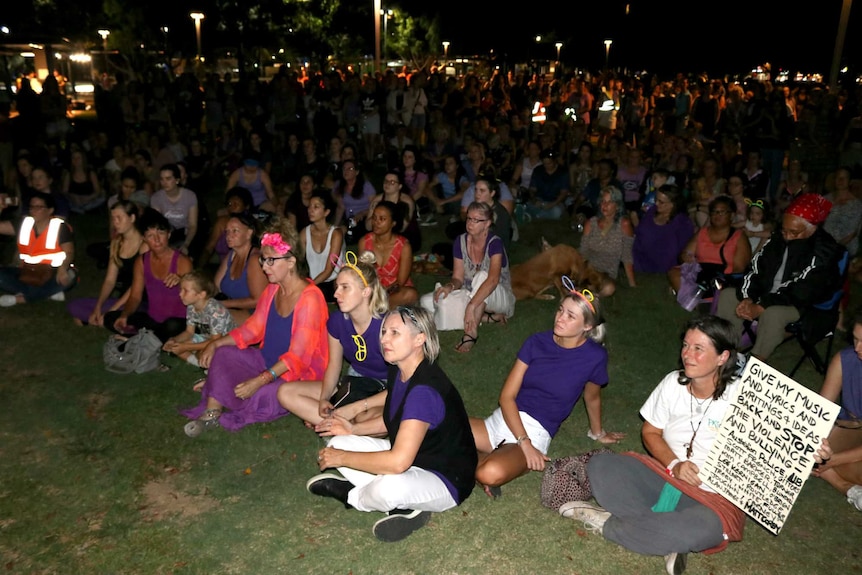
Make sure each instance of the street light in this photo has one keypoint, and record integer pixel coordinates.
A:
(445, 50)
(608, 43)
(558, 45)
(376, 13)
(387, 14)
(197, 17)
(164, 30)
(104, 34)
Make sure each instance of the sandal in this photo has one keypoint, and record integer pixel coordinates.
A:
(491, 317)
(467, 340)
(208, 421)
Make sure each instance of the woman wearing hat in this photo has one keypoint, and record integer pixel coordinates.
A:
(795, 269)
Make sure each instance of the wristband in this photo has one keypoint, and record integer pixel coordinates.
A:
(670, 467)
(523, 438)
(272, 373)
(596, 436)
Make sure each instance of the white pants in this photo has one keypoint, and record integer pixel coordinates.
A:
(416, 488)
(501, 300)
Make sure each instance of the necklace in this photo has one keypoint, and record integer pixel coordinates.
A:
(699, 403)
(689, 447)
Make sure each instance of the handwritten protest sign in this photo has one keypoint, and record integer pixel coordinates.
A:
(765, 447)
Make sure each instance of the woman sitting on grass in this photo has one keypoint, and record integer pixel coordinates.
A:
(689, 402)
(393, 256)
(354, 337)
(239, 278)
(288, 324)
(323, 243)
(553, 370)
(481, 267)
(427, 461)
(843, 380)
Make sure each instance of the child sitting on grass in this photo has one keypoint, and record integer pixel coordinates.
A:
(206, 317)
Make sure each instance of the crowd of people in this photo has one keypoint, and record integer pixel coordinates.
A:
(241, 214)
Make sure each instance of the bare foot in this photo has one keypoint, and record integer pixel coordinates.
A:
(466, 344)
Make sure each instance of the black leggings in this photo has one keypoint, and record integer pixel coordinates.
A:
(164, 330)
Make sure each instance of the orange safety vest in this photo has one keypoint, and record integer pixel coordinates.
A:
(41, 249)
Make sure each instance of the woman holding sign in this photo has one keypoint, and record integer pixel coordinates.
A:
(844, 379)
(657, 505)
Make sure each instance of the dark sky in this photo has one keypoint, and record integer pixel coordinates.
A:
(658, 35)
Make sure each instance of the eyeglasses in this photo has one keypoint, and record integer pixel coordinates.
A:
(361, 349)
(475, 220)
(270, 261)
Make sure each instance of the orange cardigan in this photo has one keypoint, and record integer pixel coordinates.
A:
(308, 354)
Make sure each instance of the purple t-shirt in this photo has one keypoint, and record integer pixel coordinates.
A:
(423, 404)
(656, 248)
(851, 385)
(367, 364)
(357, 205)
(278, 332)
(556, 377)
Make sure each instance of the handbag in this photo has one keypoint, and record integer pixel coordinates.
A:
(449, 311)
(352, 388)
(137, 354)
(565, 479)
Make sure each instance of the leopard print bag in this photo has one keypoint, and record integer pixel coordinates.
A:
(565, 479)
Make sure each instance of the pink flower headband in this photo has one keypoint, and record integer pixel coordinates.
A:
(349, 261)
(276, 242)
(585, 294)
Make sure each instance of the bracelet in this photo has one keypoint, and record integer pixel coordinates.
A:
(523, 438)
(272, 373)
(451, 285)
(596, 436)
(670, 467)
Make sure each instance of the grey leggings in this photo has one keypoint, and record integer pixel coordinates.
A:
(628, 489)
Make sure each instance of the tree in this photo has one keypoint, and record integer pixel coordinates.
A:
(414, 38)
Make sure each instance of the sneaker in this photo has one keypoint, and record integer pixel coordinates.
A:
(593, 516)
(8, 300)
(674, 563)
(400, 523)
(854, 497)
(330, 485)
(59, 296)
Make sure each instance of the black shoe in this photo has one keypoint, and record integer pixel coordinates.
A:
(330, 485)
(399, 524)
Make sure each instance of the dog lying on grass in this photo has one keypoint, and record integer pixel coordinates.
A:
(536, 277)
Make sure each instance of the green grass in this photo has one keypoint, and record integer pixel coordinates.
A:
(96, 475)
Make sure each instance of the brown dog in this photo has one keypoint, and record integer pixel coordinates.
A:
(536, 276)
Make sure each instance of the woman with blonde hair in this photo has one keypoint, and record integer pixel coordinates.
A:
(354, 338)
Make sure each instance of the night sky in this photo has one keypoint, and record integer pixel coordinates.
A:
(663, 36)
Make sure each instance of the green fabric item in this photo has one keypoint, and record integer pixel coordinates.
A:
(668, 499)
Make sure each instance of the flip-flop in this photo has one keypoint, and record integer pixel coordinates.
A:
(466, 340)
(490, 317)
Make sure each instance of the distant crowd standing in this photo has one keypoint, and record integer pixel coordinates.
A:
(242, 211)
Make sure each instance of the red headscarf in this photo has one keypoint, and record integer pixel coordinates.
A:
(810, 207)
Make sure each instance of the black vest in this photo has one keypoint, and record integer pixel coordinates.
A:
(449, 449)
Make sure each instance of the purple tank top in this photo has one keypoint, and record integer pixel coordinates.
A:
(238, 288)
(164, 302)
(277, 335)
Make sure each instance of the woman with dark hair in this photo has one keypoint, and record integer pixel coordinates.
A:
(662, 232)
(131, 189)
(179, 206)
(283, 340)
(237, 200)
(157, 272)
(322, 243)
(393, 191)
(239, 278)
(681, 421)
(296, 205)
(353, 194)
(719, 248)
(125, 247)
(393, 255)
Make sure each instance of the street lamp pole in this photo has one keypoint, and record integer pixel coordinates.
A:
(445, 51)
(197, 17)
(559, 45)
(104, 33)
(376, 13)
(608, 43)
(165, 33)
(386, 15)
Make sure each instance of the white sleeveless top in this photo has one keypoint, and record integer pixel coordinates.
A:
(317, 261)
(749, 227)
(527, 172)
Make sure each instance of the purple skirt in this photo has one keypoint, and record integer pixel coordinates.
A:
(231, 366)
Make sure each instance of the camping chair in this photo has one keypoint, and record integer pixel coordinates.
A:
(815, 324)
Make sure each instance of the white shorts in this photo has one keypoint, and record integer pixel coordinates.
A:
(499, 432)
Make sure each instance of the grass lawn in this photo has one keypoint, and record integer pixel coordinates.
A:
(96, 475)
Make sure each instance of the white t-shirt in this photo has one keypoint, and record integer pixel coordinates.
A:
(671, 408)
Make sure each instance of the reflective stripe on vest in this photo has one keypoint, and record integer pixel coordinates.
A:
(52, 254)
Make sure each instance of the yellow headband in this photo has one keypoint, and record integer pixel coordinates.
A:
(350, 262)
(584, 294)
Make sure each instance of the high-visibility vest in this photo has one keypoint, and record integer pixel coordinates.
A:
(42, 249)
